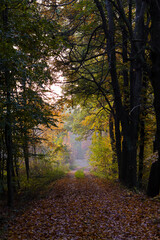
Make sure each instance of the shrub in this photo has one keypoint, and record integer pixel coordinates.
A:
(39, 183)
(79, 174)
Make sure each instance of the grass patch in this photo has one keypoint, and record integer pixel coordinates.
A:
(99, 174)
(104, 175)
(79, 174)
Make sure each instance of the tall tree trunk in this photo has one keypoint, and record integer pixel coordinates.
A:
(136, 75)
(8, 140)
(8, 127)
(154, 179)
(25, 131)
(17, 169)
(142, 132)
(125, 71)
(1, 163)
(130, 134)
(118, 145)
(129, 119)
(3, 156)
(112, 137)
(128, 170)
(128, 164)
(26, 153)
(141, 152)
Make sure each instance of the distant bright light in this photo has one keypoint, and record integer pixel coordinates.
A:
(56, 89)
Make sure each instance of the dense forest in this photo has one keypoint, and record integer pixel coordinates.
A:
(108, 53)
(79, 119)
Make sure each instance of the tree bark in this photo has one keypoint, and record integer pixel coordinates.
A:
(154, 180)
(26, 153)
(155, 79)
(129, 117)
(129, 149)
(25, 132)
(118, 145)
(142, 132)
(8, 127)
(141, 152)
(8, 140)
(112, 137)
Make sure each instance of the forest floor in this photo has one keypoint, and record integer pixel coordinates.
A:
(87, 208)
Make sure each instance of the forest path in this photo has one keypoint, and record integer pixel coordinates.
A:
(88, 208)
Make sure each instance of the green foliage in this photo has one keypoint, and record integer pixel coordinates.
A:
(56, 152)
(39, 181)
(28, 40)
(101, 156)
(89, 74)
(98, 174)
(79, 174)
(92, 120)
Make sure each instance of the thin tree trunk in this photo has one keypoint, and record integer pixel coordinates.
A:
(3, 156)
(125, 71)
(25, 136)
(142, 133)
(8, 128)
(112, 138)
(1, 163)
(1, 160)
(8, 140)
(17, 169)
(26, 153)
(141, 152)
(118, 145)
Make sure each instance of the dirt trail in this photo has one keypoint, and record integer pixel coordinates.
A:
(88, 208)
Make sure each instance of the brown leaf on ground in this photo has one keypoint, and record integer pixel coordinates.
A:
(88, 208)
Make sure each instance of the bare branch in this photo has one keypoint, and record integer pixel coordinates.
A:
(57, 5)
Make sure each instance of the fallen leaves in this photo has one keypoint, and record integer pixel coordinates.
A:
(88, 208)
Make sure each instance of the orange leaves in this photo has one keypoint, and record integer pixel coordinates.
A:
(88, 208)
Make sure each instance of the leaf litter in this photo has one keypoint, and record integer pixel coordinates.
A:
(88, 208)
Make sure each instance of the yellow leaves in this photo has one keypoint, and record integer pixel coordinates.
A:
(51, 144)
(97, 119)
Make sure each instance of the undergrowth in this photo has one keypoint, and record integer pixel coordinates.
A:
(39, 183)
(79, 173)
(38, 186)
(109, 175)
